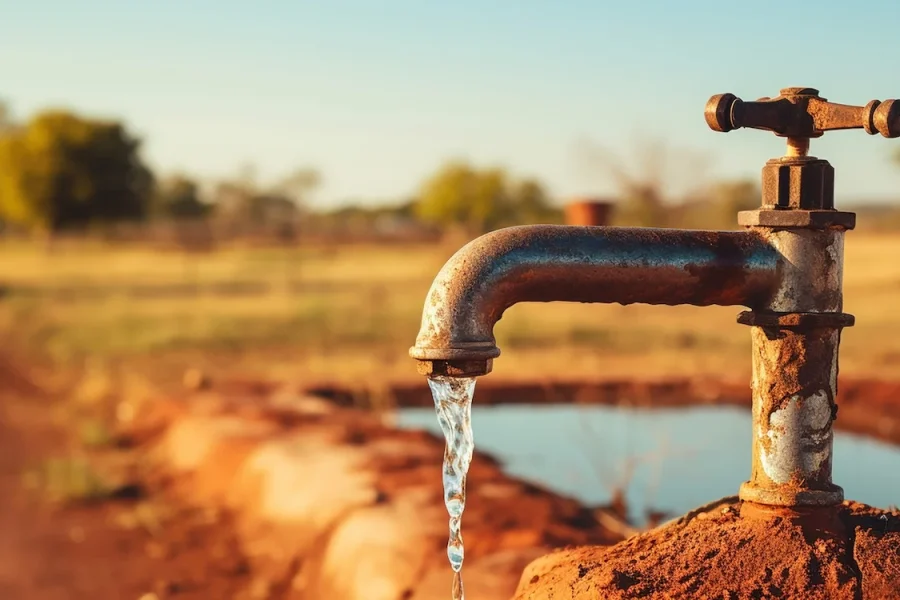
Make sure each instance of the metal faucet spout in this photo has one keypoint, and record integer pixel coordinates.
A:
(555, 263)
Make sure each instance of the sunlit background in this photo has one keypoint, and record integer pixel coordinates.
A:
(196, 195)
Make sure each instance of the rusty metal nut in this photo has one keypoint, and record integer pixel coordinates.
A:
(454, 368)
(718, 112)
(796, 321)
(781, 495)
(797, 219)
(806, 184)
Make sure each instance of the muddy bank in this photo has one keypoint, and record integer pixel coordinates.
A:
(865, 406)
(336, 504)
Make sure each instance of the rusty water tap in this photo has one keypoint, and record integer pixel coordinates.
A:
(795, 337)
(785, 266)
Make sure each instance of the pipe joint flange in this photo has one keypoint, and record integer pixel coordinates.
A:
(798, 321)
(797, 219)
(454, 368)
(787, 496)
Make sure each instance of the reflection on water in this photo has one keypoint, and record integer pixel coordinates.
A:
(673, 459)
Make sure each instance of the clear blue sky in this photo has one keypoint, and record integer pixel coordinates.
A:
(378, 93)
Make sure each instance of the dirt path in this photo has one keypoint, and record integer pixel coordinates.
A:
(90, 551)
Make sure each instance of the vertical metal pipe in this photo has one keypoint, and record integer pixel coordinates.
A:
(812, 270)
(794, 388)
(795, 344)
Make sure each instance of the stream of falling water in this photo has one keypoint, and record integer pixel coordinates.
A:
(453, 405)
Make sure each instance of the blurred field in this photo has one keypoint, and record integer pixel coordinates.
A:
(349, 313)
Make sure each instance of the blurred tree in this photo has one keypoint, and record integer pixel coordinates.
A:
(730, 197)
(298, 185)
(641, 205)
(178, 197)
(60, 171)
(236, 203)
(6, 118)
(646, 191)
(532, 204)
(459, 195)
(243, 205)
(247, 176)
(480, 200)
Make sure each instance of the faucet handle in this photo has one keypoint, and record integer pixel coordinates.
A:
(799, 112)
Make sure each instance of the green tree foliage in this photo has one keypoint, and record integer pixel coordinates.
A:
(178, 197)
(62, 171)
(481, 200)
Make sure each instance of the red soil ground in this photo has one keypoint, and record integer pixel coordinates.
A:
(729, 553)
(50, 552)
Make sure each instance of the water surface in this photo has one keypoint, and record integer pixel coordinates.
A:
(678, 459)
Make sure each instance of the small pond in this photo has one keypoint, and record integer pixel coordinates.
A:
(678, 459)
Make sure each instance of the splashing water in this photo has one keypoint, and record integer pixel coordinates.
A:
(453, 405)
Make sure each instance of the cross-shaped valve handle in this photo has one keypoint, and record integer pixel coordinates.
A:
(801, 113)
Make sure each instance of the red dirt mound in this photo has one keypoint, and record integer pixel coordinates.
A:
(735, 551)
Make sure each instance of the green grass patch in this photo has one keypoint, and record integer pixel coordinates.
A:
(69, 480)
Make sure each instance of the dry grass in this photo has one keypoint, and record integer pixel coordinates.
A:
(351, 313)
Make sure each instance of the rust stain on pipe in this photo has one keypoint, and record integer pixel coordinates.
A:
(552, 263)
(794, 388)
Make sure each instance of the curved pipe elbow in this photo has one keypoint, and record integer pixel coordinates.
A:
(557, 263)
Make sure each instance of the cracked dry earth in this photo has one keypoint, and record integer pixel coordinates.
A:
(715, 553)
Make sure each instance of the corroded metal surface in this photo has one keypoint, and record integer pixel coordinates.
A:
(797, 189)
(801, 113)
(811, 272)
(799, 321)
(797, 192)
(787, 267)
(811, 518)
(795, 340)
(548, 263)
(794, 388)
(798, 219)
(798, 182)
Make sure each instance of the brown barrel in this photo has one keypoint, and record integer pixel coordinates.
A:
(588, 212)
